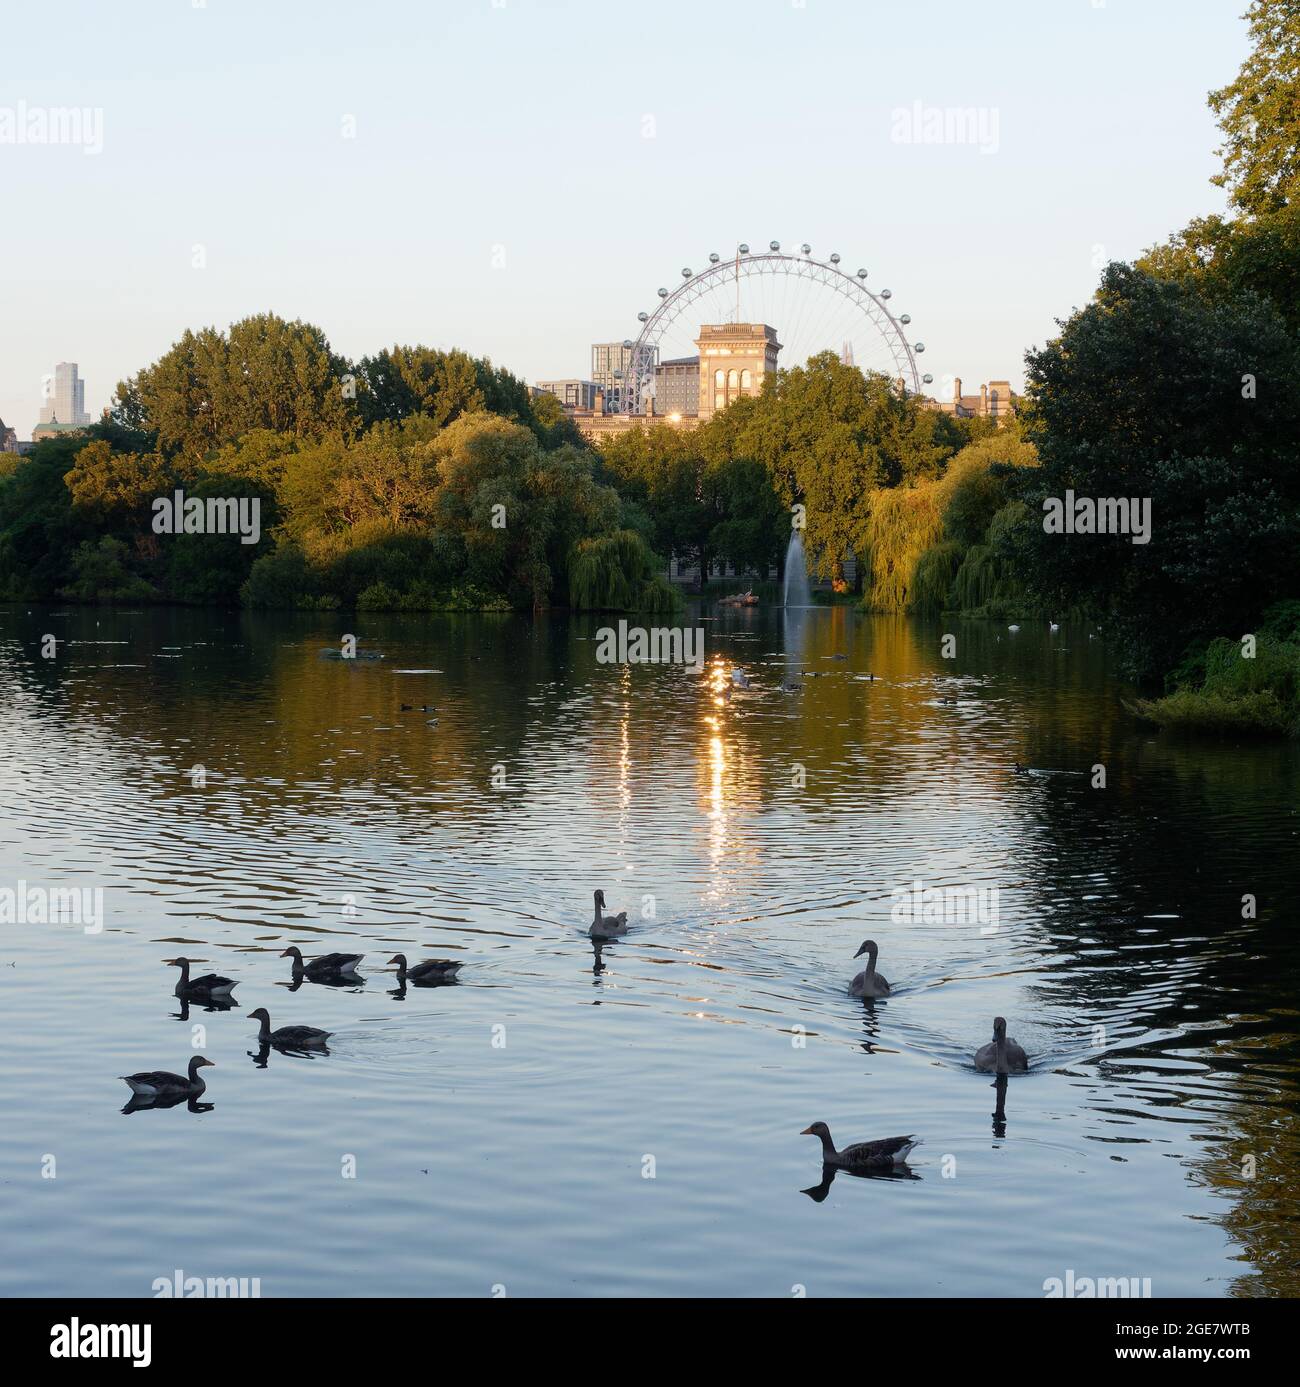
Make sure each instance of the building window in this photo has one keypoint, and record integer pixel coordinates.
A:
(733, 379)
(719, 400)
(719, 378)
(746, 380)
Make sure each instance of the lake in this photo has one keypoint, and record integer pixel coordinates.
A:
(626, 1119)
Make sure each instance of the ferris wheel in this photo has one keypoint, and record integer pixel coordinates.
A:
(814, 305)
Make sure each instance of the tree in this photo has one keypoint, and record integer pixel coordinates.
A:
(1158, 392)
(212, 387)
(1259, 113)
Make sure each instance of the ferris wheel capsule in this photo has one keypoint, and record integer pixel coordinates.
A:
(835, 259)
(663, 293)
(905, 319)
(920, 347)
(862, 274)
(927, 379)
(714, 257)
(806, 248)
(627, 344)
(686, 274)
(643, 317)
(743, 248)
(774, 245)
(886, 294)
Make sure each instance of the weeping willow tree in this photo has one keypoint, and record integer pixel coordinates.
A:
(902, 524)
(615, 573)
(935, 572)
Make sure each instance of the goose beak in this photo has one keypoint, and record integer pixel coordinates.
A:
(208, 1064)
(859, 953)
(807, 1132)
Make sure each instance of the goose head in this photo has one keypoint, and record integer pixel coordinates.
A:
(868, 947)
(260, 1015)
(999, 1028)
(600, 899)
(400, 961)
(818, 1129)
(295, 953)
(197, 1063)
(182, 963)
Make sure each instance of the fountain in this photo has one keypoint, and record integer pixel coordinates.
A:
(797, 591)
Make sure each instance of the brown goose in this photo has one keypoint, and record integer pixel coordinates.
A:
(209, 985)
(1000, 1055)
(869, 983)
(160, 1083)
(432, 970)
(292, 1037)
(862, 1155)
(326, 966)
(603, 926)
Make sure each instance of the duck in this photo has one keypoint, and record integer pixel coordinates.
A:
(1000, 1055)
(869, 983)
(294, 1037)
(1018, 769)
(1013, 628)
(160, 1083)
(326, 966)
(863, 1155)
(209, 985)
(416, 708)
(605, 925)
(422, 974)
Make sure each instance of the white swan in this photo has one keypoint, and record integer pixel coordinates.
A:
(603, 926)
(1000, 1055)
(869, 983)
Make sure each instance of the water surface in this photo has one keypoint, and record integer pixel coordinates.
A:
(626, 1120)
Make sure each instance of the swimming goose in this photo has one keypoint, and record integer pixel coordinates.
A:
(326, 966)
(209, 985)
(1000, 1055)
(862, 1155)
(159, 1083)
(869, 983)
(422, 974)
(605, 925)
(417, 708)
(294, 1037)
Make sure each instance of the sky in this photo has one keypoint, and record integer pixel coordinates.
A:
(517, 177)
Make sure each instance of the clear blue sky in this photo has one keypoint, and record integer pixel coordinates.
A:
(520, 124)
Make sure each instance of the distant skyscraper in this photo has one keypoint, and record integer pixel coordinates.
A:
(609, 366)
(67, 404)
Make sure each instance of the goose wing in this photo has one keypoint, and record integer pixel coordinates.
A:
(211, 982)
(157, 1078)
(878, 1152)
(433, 968)
(333, 963)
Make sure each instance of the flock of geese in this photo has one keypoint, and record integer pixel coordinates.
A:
(159, 1087)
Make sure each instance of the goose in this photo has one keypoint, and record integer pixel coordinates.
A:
(862, 1155)
(209, 985)
(326, 966)
(160, 1083)
(1013, 628)
(605, 925)
(1018, 769)
(417, 708)
(294, 1037)
(422, 974)
(869, 983)
(1000, 1055)
(740, 679)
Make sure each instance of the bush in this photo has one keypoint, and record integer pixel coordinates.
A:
(933, 580)
(1235, 694)
(100, 574)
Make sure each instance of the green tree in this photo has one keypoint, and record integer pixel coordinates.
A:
(1259, 113)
